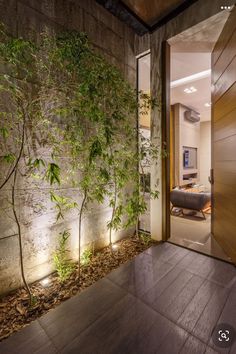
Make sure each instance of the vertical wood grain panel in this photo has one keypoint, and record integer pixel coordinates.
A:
(224, 138)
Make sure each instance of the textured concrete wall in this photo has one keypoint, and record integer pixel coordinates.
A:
(40, 232)
(198, 12)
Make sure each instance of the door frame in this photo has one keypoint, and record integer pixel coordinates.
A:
(165, 139)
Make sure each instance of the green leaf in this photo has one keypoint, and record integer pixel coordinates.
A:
(95, 150)
(4, 132)
(53, 174)
(9, 158)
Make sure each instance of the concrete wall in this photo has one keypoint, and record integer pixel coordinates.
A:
(117, 43)
(205, 153)
(198, 12)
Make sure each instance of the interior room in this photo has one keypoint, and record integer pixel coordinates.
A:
(190, 139)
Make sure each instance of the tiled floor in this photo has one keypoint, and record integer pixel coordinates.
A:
(195, 233)
(191, 232)
(167, 300)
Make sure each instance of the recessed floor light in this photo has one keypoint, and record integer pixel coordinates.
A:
(45, 282)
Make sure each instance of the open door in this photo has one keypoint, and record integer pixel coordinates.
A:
(165, 123)
(224, 138)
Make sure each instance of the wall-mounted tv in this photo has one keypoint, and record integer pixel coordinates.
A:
(189, 157)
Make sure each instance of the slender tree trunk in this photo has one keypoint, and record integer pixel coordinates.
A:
(143, 195)
(20, 239)
(14, 174)
(80, 226)
(137, 227)
(113, 214)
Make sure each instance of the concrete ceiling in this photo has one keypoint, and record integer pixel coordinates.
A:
(202, 37)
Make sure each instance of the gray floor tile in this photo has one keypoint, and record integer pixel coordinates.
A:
(160, 286)
(174, 341)
(31, 339)
(138, 276)
(177, 307)
(165, 292)
(195, 308)
(228, 316)
(196, 263)
(193, 346)
(210, 315)
(178, 256)
(65, 322)
(222, 273)
(166, 300)
(210, 351)
(156, 336)
(164, 252)
(122, 328)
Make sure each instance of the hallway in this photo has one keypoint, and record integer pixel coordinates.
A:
(166, 300)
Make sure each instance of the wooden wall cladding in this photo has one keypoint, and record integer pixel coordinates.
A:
(152, 10)
(224, 137)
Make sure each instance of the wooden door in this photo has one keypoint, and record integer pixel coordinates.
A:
(165, 123)
(224, 138)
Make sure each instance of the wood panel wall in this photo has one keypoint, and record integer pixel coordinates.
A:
(150, 11)
(224, 138)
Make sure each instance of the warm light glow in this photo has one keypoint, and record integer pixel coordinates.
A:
(114, 246)
(226, 7)
(207, 104)
(190, 89)
(194, 77)
(45, 282)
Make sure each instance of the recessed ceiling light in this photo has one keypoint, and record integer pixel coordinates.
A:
(191, 78)
(190, 89)
(207, 104)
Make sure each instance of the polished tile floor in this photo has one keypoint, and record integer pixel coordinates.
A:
(195, 233)
(166, 300)
(191, 232)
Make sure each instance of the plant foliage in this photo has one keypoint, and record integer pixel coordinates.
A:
(63, 264)
(68, 123)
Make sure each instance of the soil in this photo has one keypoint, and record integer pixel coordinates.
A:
(15, 312)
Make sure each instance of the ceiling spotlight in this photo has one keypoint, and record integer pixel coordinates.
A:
(207, 104)
(190, 89)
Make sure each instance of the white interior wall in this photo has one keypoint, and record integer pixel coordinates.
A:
(205, 153)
